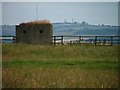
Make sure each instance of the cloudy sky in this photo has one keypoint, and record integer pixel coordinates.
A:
(91, 12)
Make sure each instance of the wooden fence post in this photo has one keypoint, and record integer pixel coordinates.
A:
(95, 40)
(14, 39)
(111, 40)
(62, 40)
(79, 39)
(118, 42)
(54, 40)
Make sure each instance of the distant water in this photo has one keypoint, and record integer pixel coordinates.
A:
(8, 30)
(68, 29)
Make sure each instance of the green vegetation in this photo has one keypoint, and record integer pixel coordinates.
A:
(60, 66)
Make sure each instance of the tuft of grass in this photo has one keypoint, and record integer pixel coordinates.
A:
(40, 22)
(62, 66)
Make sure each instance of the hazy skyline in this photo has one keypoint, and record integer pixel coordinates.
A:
(91, 12)
(59, 0)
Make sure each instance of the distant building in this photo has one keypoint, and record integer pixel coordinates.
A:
(37, 32)
(84, 23)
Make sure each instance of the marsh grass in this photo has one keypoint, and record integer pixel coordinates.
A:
(62, 66)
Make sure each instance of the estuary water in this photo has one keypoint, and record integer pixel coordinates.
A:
(68, 29)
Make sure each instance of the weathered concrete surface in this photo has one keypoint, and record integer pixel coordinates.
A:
(34, 34)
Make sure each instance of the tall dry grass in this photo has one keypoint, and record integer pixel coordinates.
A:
(58, 78)
(71, 66)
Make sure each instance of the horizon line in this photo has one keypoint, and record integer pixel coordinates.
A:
(59, 1)
(73, 23)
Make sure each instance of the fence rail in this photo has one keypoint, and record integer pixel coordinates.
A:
(9, 38)
(83, 39)
(90, 39)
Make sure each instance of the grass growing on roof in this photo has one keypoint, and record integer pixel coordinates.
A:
(41, 22)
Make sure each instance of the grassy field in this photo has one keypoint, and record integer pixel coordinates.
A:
(60, 66)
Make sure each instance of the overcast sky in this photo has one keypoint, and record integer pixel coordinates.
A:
(59, 0)
(91, 12)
